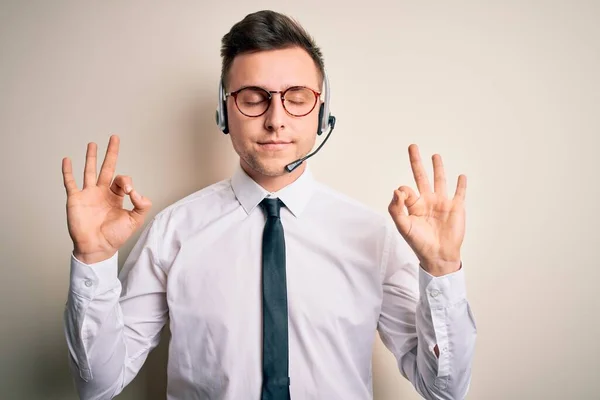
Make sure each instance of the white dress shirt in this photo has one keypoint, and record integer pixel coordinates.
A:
(197, 265)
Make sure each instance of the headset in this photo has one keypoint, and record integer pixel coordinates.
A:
(326, 120)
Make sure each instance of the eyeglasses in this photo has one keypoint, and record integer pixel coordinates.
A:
(254, 101)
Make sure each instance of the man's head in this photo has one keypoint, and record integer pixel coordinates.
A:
(270, 51)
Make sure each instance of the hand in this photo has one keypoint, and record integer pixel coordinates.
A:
(97, 222)
(434, 226)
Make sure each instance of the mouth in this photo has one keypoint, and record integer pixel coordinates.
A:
(274, 145)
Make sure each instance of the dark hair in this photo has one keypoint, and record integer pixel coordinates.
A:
(266, 30)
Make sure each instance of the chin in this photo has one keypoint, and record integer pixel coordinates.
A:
(271, 167)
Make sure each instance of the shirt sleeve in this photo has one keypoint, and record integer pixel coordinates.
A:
(420, 311)
(113, 321)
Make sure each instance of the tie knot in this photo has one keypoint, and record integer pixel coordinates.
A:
(271, 207)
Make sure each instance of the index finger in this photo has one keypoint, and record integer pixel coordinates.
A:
(68, 180)
(418, 170)
(110, 162)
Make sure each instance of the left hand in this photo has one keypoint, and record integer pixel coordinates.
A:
(434, 226)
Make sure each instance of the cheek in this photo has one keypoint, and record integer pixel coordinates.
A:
(309, 143)
(235, 120)
(242, 128)
(308, 127)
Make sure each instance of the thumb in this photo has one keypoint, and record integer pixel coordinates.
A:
(141, 206)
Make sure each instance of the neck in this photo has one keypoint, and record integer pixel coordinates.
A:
(273, 183)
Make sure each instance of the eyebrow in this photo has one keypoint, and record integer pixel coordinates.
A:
(285, 87)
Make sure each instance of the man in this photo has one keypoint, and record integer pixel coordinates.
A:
(273, 284)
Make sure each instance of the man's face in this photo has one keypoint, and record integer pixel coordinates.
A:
(266, 144)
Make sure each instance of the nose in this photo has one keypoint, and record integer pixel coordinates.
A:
(275, 115)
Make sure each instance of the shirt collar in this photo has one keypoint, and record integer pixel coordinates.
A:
(295, 196)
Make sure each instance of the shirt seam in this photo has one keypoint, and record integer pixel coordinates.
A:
(198, 195)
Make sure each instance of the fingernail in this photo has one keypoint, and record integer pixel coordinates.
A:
(127, 189)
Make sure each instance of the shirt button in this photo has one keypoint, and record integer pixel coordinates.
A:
(88, 282)
(435, 293)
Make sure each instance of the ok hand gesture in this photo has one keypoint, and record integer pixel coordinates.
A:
(434, 226)
(97, 222)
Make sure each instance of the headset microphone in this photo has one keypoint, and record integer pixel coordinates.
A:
(292, 166)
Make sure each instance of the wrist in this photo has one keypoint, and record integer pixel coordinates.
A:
(441, 267)
(92, 258)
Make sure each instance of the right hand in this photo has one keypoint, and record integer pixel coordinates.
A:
(98, 224)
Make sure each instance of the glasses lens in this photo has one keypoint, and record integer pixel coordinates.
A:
(299, 101)
(252, 101)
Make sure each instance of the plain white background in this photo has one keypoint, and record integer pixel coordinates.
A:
(508, 93)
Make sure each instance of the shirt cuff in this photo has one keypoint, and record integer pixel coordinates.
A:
(87, 280)
(442, 291)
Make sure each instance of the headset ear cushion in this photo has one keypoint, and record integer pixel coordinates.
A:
(225, 122)
(320, 127)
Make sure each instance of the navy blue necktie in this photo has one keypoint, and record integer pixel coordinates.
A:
(275, 365)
